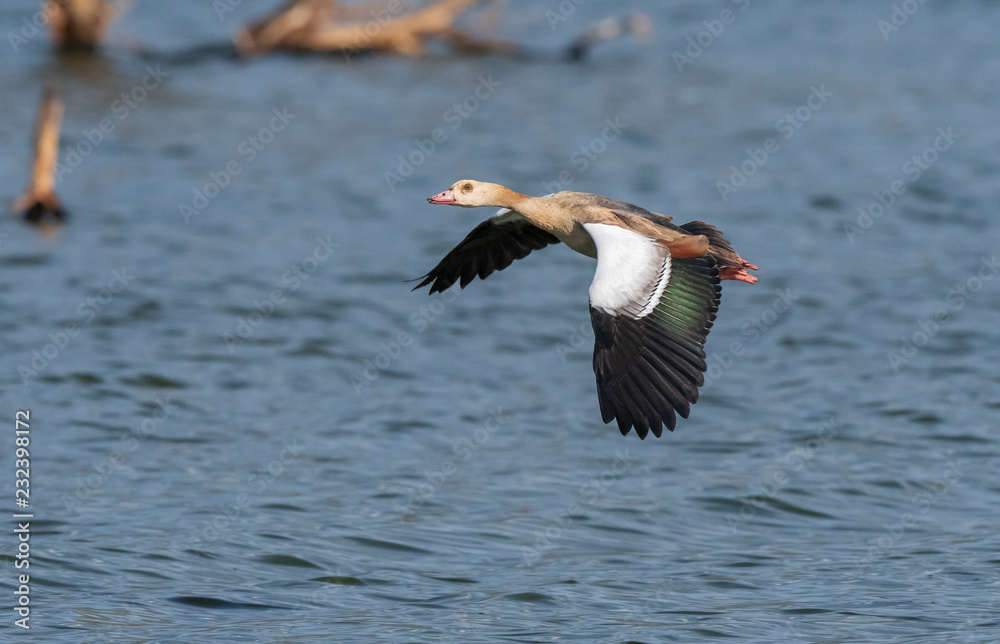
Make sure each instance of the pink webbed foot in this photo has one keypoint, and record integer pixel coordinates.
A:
(738, 274)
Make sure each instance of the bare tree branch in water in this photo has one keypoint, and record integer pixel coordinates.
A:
(398, 27)
(39, 201)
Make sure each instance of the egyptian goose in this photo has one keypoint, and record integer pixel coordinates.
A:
(652, 302)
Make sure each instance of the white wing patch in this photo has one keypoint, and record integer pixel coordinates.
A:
(632, 271)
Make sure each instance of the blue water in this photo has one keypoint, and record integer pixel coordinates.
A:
(258, 433)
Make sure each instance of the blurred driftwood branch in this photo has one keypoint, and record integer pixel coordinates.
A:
(393, 26)
(39, 201)
(403, 27)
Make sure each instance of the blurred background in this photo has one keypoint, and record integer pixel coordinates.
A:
(245, 427)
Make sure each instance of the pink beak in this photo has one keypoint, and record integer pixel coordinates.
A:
(445, 197)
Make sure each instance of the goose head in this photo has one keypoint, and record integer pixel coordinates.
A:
(470, 194)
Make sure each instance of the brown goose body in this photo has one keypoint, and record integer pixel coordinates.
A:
(653, 299)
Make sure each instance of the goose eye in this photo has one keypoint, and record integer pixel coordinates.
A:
(467, 187)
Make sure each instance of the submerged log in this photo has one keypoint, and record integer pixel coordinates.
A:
(79, 25)
(39, 202)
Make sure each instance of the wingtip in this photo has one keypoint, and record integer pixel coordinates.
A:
(425, 280)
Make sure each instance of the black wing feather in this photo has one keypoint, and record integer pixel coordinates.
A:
(492, 246)
(649, 369)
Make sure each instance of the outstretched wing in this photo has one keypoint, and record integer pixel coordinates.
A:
(491, 246)
(651, 315)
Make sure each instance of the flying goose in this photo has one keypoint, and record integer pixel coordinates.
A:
(652, 302)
